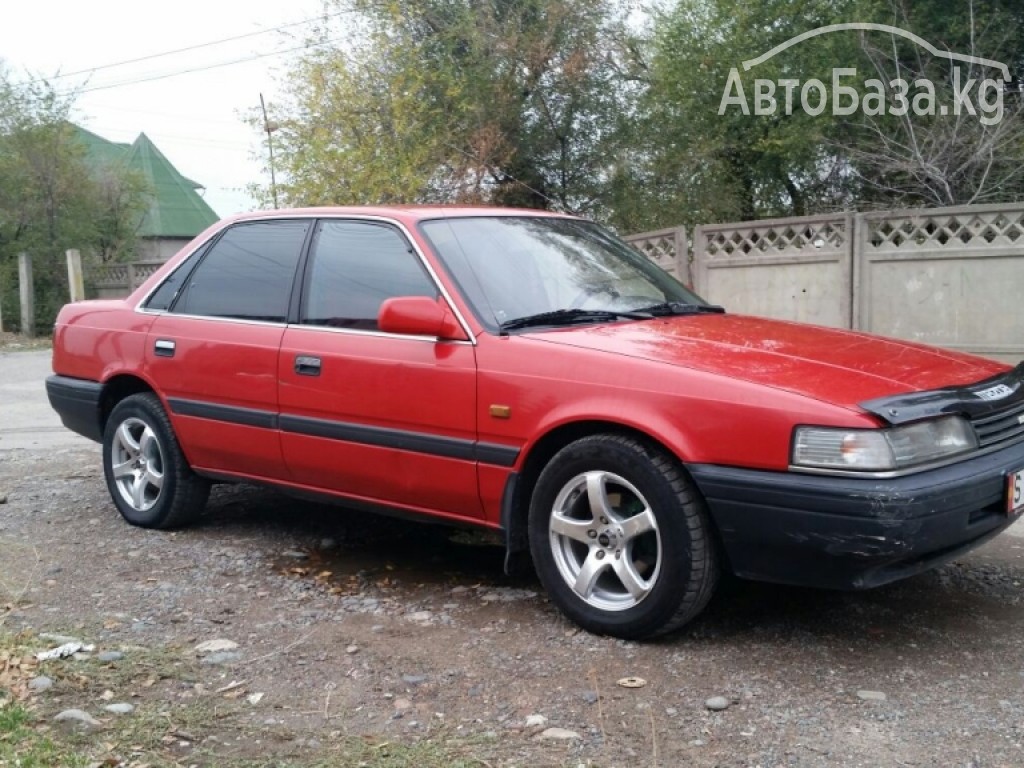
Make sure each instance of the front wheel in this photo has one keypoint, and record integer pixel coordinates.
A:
(620, 538)
(147, 475)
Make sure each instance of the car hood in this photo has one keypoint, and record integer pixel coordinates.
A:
(836, 366)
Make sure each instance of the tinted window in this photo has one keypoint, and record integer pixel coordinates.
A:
(355, 267)
(248, 273)
(164, 296)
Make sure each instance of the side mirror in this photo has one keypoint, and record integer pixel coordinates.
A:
(419, 316)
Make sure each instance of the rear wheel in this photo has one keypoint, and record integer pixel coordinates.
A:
(146, 472)
(620, 538)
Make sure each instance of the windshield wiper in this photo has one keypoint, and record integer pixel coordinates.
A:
(572, 316)
(679, 308)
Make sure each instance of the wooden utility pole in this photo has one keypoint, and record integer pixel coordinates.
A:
(270, 127)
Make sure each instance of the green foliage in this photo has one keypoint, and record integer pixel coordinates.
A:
(22, 745)
(695, 162)
(506, 101)
(566, 104)
(52, 200)
(12, 717)
(704, 163)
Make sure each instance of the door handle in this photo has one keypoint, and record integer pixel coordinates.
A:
(306, 365)
(163, 348)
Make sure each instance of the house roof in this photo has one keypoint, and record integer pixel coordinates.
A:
(176, 209)
(99, 151)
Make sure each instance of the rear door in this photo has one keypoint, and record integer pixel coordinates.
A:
(213, 354)
(377, 416)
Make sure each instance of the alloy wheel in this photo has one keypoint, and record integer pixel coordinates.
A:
(137, 464)
(605, 540)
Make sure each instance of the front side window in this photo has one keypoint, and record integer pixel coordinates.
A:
(355, 266)
(247, 274)
(515, 267)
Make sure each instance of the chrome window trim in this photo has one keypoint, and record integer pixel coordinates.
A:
(317, 328)
(471, 339)
(379, 334)
(214, 318)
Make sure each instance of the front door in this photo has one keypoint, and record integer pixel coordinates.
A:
(376, 416)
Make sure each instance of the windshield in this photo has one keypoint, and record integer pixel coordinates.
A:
(511, 268)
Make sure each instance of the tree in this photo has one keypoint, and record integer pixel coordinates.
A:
(697, 156)
(694, 160)
(505, 101)
(51, 199)
(965, 151)
(563, 104)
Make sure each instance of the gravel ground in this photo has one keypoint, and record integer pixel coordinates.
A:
(348, 623)
(362, 624)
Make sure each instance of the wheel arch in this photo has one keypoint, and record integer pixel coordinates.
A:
(117, 388)
(519, 488)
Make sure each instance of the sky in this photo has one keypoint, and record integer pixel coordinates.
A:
(194, 118)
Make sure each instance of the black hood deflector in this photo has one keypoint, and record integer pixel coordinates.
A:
(952, 401)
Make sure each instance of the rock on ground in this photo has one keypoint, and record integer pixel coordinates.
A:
(871, 695)
(717, 703)
(559, 733)
(213, 646)
(40, 684)
(77, 717)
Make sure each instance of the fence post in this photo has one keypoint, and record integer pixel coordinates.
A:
(852, 292)
(698, 267)
(683, 257)
(131, 278)
(28, 310)
(76, 283)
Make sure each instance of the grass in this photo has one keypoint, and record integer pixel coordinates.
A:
(13, 342)
(152, 735)
(23, 746)
(136, 741)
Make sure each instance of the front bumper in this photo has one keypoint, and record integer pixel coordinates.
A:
(855, 533)
(77, 402)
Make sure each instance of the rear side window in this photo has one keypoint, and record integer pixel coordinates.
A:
(164, 296)
(247, 274)
(356, 265)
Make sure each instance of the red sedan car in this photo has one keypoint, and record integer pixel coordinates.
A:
(529, 373)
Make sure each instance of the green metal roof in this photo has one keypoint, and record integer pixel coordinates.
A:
(176, 209)
(99, 151)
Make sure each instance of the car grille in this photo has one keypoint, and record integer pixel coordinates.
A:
(1001, 427)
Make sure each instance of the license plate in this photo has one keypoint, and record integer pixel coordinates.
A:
(1015, 493)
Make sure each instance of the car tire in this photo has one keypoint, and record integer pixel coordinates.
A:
(147, 475)
(621, 539)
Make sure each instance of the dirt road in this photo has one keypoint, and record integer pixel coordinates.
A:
(348, 624)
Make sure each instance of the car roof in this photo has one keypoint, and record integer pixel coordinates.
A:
(406, 213)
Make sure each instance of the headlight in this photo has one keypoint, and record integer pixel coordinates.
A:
(882, 450)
